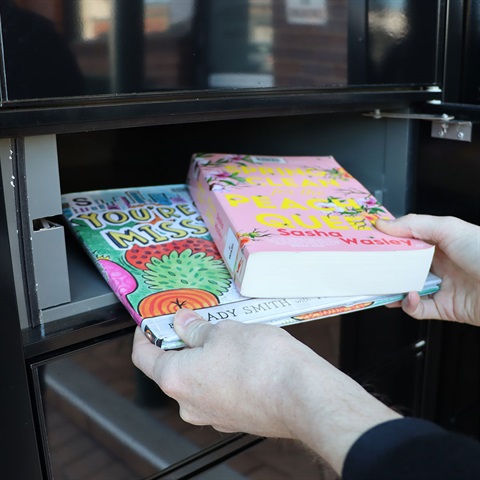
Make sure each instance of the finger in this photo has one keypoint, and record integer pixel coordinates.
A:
(191, 327)
(458, 239)
(144, 353)
(420, 308)
(424, 227)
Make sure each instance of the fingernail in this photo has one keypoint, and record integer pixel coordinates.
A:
(184, 316)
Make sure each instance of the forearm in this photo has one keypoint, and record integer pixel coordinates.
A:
(329, 411)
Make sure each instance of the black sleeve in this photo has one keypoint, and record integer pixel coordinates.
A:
(412, 449)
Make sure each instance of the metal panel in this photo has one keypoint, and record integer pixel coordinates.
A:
(50, 262)
(41, 170)
(11, 227)
(18, 443)
(43, 200)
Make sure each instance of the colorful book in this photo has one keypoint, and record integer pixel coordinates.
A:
(301, 227)
(153, 248)
(162, 327)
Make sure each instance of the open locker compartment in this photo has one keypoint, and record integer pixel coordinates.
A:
(378, 152)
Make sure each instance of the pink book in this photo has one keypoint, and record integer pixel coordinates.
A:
(301, 226)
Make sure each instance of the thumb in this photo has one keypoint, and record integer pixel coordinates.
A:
(191, 327)
(400, 227)
(420, 308)
(423, 227)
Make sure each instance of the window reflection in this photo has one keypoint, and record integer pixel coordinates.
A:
(125, 46)
(387, 24)
(310, 12)
(94, 18)
(122, 46)
(37, 59)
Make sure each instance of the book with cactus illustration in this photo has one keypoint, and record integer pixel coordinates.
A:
(301, 226)
(153, 248)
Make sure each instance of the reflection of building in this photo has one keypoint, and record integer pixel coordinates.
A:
(307, 12)
(94, 18)
(310, 54)
(179, 44)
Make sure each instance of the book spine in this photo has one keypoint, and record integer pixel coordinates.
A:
(248, 310)
(346, 308)
(318, 308)
(173, 341)
(219, 224)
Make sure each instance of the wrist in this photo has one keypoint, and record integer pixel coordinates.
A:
(328, 411)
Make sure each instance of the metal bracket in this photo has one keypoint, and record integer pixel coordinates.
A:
(443, 126)
(452, 130)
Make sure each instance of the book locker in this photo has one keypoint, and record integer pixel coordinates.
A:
(274, 78)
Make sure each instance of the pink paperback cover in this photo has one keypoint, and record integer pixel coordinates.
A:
(256, 204)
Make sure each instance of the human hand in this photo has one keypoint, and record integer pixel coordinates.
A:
(233, 377)
(456, 262)
(258, 379)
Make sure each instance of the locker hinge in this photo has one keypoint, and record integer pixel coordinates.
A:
(443, 126)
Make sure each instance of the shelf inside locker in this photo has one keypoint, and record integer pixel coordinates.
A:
(88, 289)
(94, 310)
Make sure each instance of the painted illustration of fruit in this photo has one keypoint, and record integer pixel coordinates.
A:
(187, 270)
(139, 256)
(183, 280)
(161, 303)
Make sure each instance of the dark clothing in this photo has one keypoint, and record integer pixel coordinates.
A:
(412, 449)
(38, 61)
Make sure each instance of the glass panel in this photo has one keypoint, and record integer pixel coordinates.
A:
(262, 462)
(104, 419)
(72, 47)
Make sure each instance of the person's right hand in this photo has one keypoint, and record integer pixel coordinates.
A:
(259, 379)
(456, 262)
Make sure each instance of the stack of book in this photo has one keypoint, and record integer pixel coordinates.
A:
(277, 240)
